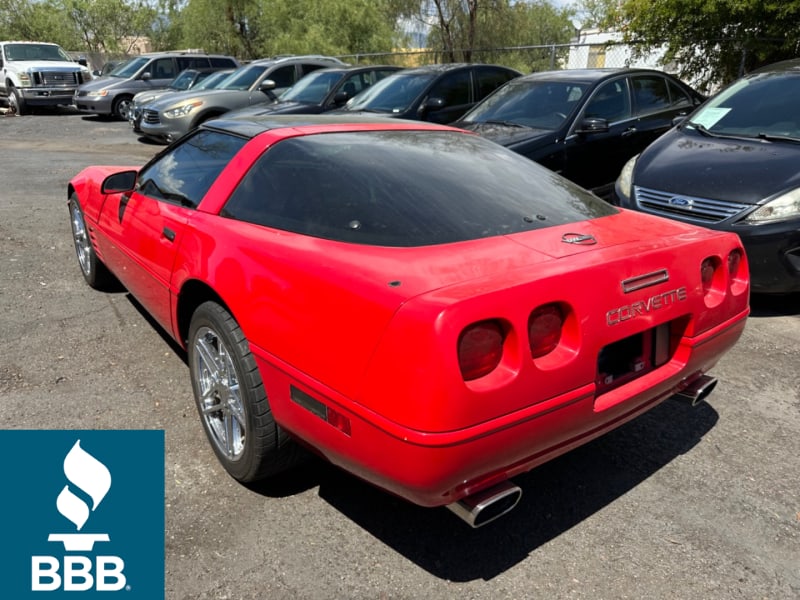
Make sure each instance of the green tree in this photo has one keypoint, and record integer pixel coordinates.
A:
(110, 26)
(473, 30)
(258, 28)
(714, 41)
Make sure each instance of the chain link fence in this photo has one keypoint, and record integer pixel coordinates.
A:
(527, 59)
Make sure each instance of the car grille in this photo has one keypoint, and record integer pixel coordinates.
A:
(705, 210)
(57, 78)
(150, 117)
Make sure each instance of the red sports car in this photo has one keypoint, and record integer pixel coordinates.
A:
(422, 307)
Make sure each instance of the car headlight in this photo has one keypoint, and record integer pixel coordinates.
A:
(786, 206)
(625, 179)
(25, 79)
(182, 110)
(97, 94)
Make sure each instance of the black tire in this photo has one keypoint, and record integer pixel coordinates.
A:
(231, 399)
(17, 103)
(119, 110)
(94, 271)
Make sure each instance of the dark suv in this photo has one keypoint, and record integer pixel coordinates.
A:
(437, 93)
(111, 95)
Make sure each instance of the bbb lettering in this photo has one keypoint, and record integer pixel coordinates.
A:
(77, 575)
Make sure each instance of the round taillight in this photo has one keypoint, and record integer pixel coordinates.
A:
(707, 270)
(734, 262)
(480, 348)
(544, 329)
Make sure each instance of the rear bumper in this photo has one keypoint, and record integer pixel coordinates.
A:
(434, 469)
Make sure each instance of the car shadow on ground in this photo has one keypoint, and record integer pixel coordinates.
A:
(556, 496)
(766, 305)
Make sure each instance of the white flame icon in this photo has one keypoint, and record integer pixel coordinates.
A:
(87, 474)
(92, 477)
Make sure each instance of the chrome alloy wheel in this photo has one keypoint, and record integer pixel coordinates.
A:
(220, 399)
(83, 247)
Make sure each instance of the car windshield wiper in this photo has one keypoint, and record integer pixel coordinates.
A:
(706, 132)
(504, 123)
(778, 138)
(701, 128)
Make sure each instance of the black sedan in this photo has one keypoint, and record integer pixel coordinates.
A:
(436, 93)
(585, 123)
(734, 165)
(321, 91)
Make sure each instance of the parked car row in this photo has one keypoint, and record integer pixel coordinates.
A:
(730, 165)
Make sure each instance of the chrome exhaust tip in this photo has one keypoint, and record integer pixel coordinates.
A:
(698, 390)
(487, 505)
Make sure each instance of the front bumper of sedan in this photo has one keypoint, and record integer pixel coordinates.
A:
(773, 248)
(773, 252)
(156, 126)
(93, 103)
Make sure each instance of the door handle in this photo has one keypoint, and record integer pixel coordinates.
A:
(629, 131)
(169, 234)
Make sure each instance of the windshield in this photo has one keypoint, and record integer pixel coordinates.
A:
(539, 104)
(761, 106)
(35, 52)
(129, 68)
(354, 187)
(183, 81)
(214, 80)
(243, 78)
(391, 95)
(313, 88)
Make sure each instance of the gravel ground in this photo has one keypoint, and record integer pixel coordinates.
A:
(682, 503)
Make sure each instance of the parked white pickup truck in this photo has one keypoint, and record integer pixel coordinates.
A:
(38, 74)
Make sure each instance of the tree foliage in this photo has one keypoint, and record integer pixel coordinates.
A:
(714, 41)
(468, 30)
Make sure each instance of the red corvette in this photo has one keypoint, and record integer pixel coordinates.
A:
(420, 306)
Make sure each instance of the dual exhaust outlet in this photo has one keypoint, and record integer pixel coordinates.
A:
(492, 503)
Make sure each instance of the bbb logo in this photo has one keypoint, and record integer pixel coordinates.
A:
(92, 477)
(84, 515)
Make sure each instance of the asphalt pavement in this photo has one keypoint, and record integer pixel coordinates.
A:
(682, 503)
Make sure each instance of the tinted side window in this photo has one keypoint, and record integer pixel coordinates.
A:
(184, 174)
(282, 76)
(610, 102)
(488, 80)
(651, 94)
(221, 61)
(454, 89)
(677, 96)
(193, 62)
(163, 68)
(307, 68)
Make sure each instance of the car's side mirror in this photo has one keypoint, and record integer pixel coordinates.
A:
(267, 85)
(124, 181)
(432, 105)
(147, 76)
(593, 125)
(82, 61)
(341, 98)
